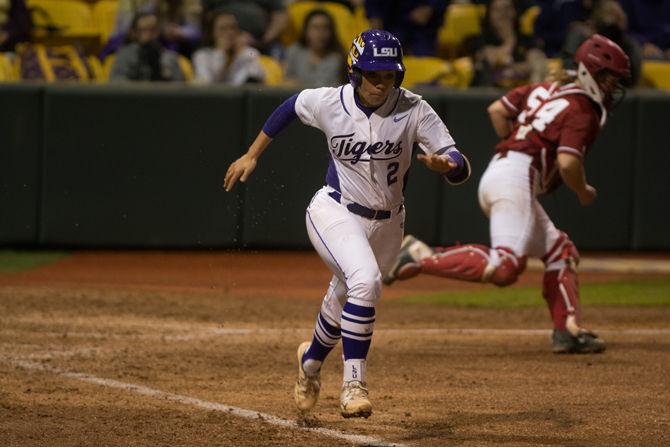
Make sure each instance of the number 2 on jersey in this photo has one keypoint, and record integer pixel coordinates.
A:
(391, 177)
(543, 112)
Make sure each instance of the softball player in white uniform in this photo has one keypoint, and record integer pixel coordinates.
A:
(355, 222)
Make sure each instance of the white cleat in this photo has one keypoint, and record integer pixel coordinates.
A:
(407, 264)
(354, 402)
(306, 390)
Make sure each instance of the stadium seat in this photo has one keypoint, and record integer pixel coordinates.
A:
(527, 20)
(62, 17)
(107, 66)
(104, 17)
(346, 24)
(656, 74)
(75, 59)
(464, 72)
(460, 22)
(274, 74)
(55, 63)
(96, 68)
(426, 71)
(7, 69)
(186, 68)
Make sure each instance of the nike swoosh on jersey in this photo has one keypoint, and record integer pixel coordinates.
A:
(398, 119)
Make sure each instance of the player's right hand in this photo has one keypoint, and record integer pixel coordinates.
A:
(240, 169)
(588, 195)
(438, 163)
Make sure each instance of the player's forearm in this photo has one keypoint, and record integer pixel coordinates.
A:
(500, 119)
(501, 126)
(280, 118)
(461, 172)
(572, 172)
(451, 163)
(259, 145)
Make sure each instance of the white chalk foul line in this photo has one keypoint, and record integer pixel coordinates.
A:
(409, 331)
(615, 265)
(515, 332)
(231, 331)
(207, 405)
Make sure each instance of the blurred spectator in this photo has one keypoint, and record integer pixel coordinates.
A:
(180, 18)
(145, 58)
(317, 59)
(350, 4)
(504, 57)
(609, 20)
(227, 59)
(521, 5)
(261, 20)
(649, 24)
(554, 20)
(15, 24)
(414, 22)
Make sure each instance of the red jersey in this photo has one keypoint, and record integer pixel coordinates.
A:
(550, 118)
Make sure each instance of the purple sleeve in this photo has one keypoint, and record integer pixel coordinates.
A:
(462, 171)
(281, 117)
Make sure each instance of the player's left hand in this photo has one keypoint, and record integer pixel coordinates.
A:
(588, 195)
(439, 163)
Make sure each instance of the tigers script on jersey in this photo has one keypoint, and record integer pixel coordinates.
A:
(370, 157)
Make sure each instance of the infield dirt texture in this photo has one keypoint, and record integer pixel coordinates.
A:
(179, 348)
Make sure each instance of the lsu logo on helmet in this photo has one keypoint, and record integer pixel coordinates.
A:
(385, 52)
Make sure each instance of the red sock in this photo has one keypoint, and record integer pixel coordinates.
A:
(561, 292)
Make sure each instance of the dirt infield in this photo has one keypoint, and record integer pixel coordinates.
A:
(183, 348)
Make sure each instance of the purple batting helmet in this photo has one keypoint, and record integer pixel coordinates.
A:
(375, 50)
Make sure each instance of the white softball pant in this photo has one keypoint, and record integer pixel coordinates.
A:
(357, 250)
(507, 195)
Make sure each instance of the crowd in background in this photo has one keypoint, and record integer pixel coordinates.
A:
(224, 40)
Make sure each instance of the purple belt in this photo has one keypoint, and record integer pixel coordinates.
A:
(361, 210)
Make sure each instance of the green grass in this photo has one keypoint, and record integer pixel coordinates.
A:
(18, 261)
(638, 292)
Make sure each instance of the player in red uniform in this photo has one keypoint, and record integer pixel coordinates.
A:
(545, 131)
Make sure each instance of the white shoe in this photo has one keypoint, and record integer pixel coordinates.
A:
(407, 263)
(354, 402)
(306, 390)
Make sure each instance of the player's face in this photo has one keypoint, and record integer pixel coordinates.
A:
(612, 88)
(608, 81)
(376, 87)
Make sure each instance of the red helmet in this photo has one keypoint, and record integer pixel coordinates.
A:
(596, 56)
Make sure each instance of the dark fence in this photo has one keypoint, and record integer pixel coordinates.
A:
(21, 133)
(143, 166)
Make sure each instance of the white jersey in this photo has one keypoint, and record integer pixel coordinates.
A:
(371, 156)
